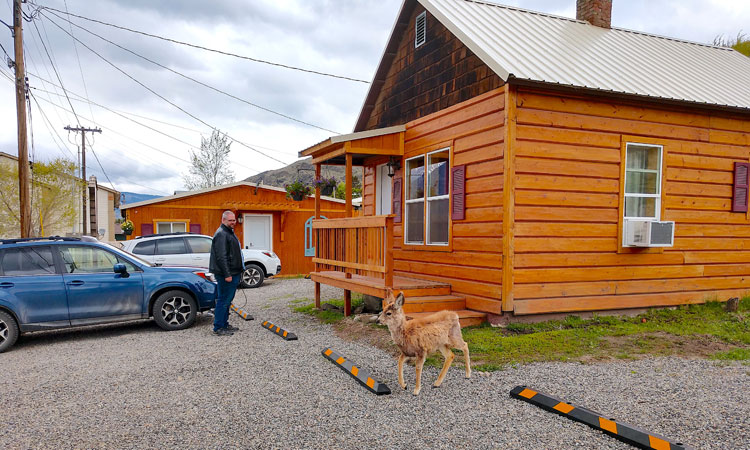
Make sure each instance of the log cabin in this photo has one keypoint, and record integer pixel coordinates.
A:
(267, 220)
(522, 163)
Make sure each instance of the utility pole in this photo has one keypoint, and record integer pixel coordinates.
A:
(24, 196)
(83, 131)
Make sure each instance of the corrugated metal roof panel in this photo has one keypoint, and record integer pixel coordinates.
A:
(540, 47)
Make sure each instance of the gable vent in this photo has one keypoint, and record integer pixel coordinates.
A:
(420, 28)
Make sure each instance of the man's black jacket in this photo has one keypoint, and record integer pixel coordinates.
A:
(226, 255)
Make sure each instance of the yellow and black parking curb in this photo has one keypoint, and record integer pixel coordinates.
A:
(358, 373)
(241, 313)
(619, 430)
(280, 331)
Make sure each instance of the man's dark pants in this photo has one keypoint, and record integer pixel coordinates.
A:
(224, 298)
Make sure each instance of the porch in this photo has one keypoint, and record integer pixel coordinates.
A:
(356, 253)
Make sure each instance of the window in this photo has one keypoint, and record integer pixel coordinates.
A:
(145, 248)
(170, 227)
(643, 181)
(427, 198)
(27, 261)
(420, 29)
(172, 246)
(199, 244)
(86, 259)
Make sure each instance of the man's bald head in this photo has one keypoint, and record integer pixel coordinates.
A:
(228, 219)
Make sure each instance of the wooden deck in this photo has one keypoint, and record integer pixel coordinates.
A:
(422, 296)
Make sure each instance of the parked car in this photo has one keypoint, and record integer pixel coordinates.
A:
(51, 283)
(190, 249)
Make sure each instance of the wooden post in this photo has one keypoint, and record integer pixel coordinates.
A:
(509, 198)
(347, 303)
(316, 234)
(348, 184)
(24, 192)
(389, 252)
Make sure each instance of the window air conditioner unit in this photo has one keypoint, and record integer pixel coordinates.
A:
(649, 233)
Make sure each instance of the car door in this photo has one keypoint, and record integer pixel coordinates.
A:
(172, 252)
(31, 286)
(95, 292)
(145, 250)
(200, 250)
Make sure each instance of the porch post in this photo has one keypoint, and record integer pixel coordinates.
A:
(317, 232)
(389, 252)
(348, 185)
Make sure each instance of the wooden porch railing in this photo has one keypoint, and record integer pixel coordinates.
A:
(355, 245)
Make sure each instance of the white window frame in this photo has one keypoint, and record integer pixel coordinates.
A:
(659, 173)
(425, 199)
(422, 16)
(171, 226)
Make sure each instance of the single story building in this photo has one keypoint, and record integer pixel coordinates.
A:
(266, 219)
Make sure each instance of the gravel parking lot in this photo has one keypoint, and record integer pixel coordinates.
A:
(135, 386)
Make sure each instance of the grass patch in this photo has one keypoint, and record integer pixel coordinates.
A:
(705, 331)
(327, 316)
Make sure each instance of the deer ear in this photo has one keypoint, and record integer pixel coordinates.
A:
(399, 300)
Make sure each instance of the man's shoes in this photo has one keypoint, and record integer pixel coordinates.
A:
(223, 332)
(231, 328)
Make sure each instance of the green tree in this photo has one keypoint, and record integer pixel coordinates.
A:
(210, 167)
(741, 43)
(55, 197)
(340, 191)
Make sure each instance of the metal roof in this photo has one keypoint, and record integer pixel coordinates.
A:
(538, 47)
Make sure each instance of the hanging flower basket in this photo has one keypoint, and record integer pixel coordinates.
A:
(127, 227)
(327, 185)
(297, 190)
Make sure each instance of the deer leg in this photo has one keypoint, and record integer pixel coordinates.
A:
(465, 349)
(419, 364)
(448, 355)
(401, 359)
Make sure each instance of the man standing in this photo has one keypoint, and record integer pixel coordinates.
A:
(226, 265)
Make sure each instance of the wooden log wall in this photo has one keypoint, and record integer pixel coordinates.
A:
(568, 206)
(474, 130)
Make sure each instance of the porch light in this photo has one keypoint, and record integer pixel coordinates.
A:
(393, 165)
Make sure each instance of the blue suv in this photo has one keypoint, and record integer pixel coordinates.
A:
(51, 283)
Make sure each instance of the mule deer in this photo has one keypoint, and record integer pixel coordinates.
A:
(421, 337)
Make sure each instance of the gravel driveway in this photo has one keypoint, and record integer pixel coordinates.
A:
(134, 386)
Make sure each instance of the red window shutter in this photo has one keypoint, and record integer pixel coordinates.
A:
(397, 200)
(741, 187)
(458, 200)
(146, 229)
(195, 228)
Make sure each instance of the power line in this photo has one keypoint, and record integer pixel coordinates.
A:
(164, 98)
(188, 77)
(75, 47)
(174, 41)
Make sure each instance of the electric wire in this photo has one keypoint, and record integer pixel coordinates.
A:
(175, 41)
(188, 77)
(78, 58)
(165, 99)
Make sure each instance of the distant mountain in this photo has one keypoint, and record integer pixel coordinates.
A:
(132, 197)
(302, 170)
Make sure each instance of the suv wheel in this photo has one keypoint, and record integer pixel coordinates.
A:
(8, 331)
(252, 276)
(175, 310)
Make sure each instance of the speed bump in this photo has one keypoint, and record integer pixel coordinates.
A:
(241, 313)
(280, 331)
(619, 430)
(358, 373)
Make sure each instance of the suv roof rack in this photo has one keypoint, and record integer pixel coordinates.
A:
(177, 233)
(49, 238)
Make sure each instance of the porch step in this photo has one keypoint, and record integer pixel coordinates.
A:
(434, 303)
(467, 317)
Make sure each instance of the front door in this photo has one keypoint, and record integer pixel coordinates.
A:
(383, 197)
(258, 233)
(95, 292)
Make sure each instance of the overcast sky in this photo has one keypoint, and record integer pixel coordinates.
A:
(342, 37)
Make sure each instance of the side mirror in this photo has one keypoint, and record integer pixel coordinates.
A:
(121, 269)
